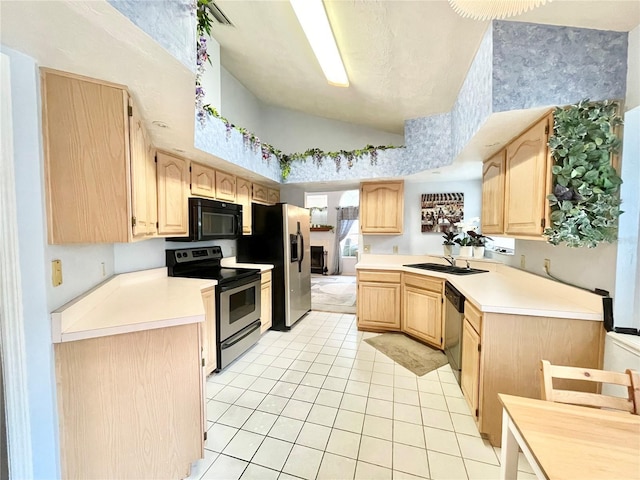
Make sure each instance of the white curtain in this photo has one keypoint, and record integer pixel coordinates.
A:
(345, 219)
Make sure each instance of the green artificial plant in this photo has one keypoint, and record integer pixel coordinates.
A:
(449, 238)
(585, 204)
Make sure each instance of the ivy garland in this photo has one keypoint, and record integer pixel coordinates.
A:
(585, 204)
(204, 25)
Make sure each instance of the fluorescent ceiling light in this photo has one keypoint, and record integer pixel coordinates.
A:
(313, 19)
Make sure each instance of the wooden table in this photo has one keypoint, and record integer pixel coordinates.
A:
(569, 442)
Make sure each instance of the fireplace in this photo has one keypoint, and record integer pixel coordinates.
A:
(318, 260)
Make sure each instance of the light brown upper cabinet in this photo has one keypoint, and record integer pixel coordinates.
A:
(260, 193)
(173, 185)
(527, 170)
(91, 178)
(225, 186)
(493, 194)
(203, 180)
(243, 197)
(144, 196)
(381, 207)
(273, 195)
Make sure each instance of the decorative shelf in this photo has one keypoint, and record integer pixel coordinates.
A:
(321, 229)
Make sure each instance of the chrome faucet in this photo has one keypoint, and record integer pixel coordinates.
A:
(450, 259)
(468, 266)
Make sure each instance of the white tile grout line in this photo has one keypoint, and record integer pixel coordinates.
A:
(335, 324)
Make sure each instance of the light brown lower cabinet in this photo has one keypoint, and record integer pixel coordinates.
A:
(470, 375)
(504, 355)
(422, 313)
(131, 406)
(265, 302)
(378, 301)
(209, 331)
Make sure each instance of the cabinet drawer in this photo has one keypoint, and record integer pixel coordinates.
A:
(473, 315)
(426, 283)
(266, 277)
(378, 276)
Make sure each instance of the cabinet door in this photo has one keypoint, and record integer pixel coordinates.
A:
(260, 193)
(144, 197)
(493, 194)
(265, 302)
(152, 192)
(422, 315)
(86, 151)
(525, 185)
(470, 376)
(225, 186)
(209, 331)
(379, 305)
(173, 218)
(203, 180)
(381, 207)
(274, 195)
(243, 197)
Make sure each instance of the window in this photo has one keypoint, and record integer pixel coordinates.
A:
(349, 244)
(502, 245)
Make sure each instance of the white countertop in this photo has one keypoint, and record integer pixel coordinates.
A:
(503, 289)
(232, 263)
(131, 302)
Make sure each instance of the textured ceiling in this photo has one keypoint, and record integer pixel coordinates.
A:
(405, 59)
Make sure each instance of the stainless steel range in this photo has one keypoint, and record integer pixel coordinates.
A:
(237, 298)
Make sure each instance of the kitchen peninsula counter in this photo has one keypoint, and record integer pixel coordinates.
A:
(502, 289)
(129, 377)
(511, 321)
(131, 302)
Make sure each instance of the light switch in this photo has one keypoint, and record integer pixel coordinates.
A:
(56, 272)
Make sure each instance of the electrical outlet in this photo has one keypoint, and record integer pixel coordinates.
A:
(523, 261)
(367, 249)
(56, 272)
(395, 249)
(104, 270)
(547, 265)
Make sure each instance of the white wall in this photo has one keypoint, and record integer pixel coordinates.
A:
(210, 80)
(586, 267)
(239, 105)
(292, 131)
(413, 241)
(25, 98)
(131, 257)
(82, 269)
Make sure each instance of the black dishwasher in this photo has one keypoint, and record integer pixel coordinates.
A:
(454, 316)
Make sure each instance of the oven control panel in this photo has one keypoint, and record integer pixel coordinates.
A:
(194, 254)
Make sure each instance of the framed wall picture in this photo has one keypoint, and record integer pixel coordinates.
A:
(441, 211)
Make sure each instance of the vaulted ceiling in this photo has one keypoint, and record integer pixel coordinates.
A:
(405, 59)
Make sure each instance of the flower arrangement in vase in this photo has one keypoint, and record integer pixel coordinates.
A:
(449, 242)
(466, 247)
(477, 242)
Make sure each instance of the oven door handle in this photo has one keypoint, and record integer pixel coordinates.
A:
(250, 330)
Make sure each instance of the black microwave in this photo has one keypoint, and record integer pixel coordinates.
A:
(212, 220)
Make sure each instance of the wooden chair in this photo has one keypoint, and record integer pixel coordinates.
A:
(630, 379)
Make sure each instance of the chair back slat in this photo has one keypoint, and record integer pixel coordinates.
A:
(592, 400)
(630, 379)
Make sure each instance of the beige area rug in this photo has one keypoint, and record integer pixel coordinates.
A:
(333, 294)
(409, 353)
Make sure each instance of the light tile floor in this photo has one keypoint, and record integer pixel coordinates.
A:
(319, 403)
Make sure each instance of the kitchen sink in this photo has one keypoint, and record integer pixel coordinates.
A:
(437, 267)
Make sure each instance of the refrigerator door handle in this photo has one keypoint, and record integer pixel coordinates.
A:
(301, 255)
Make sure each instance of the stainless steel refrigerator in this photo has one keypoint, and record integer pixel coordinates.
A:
(280, 236)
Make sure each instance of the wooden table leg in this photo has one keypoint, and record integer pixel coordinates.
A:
(509, 454)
